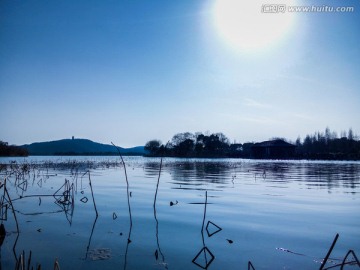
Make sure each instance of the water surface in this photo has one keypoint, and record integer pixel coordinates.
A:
(276, 214)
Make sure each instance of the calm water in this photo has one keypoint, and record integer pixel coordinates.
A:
(278, 215)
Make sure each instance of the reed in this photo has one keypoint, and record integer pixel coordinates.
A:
(127, 183)
(356, 260)
(15, 218)
(92, 195)
(20, 263)
(250, 266)
(156, 220)
(129, 207)
(329, 252)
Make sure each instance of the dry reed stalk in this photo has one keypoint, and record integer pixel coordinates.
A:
(329, 252)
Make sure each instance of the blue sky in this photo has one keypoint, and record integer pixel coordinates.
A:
(131, 71)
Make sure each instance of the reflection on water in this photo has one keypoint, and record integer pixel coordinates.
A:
(195, 173)
(268, 212)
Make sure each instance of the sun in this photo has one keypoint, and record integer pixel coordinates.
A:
(244, 25)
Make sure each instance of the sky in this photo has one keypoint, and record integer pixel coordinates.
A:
(131, 71)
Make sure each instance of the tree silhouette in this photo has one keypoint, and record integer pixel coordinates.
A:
(153, 146)
(11, 150)
(320, 145)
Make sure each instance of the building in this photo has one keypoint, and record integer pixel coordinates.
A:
(275, 149)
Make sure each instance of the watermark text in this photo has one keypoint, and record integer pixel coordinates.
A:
(281, 8)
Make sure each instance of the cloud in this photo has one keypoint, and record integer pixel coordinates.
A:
(255, 104)
(260, 120)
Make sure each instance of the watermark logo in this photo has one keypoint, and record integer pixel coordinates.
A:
(273, 8)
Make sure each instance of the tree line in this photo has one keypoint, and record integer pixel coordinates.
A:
(328, 145)
(320, 145)
(199, 145)
(191, 145)
(7, 150)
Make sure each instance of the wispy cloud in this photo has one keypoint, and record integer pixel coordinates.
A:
(303, 116)
(260, 120)
(255, 104)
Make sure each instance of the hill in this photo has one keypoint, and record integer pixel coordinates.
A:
(78, 147)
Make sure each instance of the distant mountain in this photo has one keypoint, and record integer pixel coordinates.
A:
(78, 147)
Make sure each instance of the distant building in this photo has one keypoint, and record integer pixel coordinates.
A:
(72, 137)
(275, 149)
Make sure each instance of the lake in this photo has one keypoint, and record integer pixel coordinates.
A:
(199, 214)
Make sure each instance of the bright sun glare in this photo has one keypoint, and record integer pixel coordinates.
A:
(243, 25)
